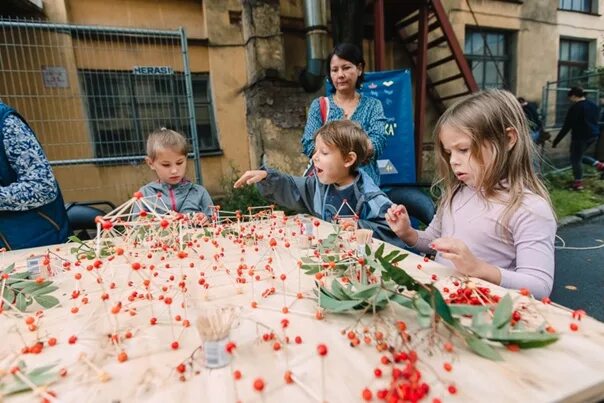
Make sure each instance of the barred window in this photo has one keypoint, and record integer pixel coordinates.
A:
(488, 56)
(123, 108)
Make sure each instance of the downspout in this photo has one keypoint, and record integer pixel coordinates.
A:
(315, 24)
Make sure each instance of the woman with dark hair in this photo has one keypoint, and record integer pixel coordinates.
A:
(346, 72)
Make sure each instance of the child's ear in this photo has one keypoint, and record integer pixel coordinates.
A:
(512, 135)
(149, 162)
(350, 159)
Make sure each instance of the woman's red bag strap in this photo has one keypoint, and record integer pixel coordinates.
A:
(324, 105)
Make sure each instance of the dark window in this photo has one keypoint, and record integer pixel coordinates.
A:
(573, 59)
(584, 6)
(488, 56)
(572, 64)
(123, 108)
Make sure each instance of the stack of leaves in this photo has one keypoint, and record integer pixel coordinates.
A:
(489, 323)
(20, 290)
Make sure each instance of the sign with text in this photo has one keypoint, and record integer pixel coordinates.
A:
(55, 77)
(153, 70)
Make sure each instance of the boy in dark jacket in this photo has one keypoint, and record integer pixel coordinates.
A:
(582, 120)
(338, 187)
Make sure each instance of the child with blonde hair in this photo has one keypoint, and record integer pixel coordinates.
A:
(338, 188)
(495, 220)
(167, 156)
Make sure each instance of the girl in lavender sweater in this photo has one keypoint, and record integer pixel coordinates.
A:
(495, 220)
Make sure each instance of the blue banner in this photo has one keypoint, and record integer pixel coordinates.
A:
(393, 89)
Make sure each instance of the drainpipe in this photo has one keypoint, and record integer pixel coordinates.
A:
(315, 24)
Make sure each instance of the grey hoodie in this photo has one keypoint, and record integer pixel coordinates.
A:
(184, 197)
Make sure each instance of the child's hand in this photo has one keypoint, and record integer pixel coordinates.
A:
(464, 260)
(250, 177)
(201, 219)
(398, 220)
(458, 253)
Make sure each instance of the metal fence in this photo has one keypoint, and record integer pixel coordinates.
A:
(555, 103)
(92, 94)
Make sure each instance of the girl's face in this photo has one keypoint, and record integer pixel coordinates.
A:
(331, 167)
(169, 166)
(457, 146)
(344, 74)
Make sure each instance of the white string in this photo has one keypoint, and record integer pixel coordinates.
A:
(564, 247)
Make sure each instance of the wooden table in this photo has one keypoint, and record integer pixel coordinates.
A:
(572, 369)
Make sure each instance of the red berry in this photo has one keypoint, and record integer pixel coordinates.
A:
(52, 341)
(447, 366)
(181, 368)
(452, 389)
(298, 340)
(72, 339)
(136, 266)
(574, 327)
(367, 395)
(174, 345)
(237, 374)
(121, 357)
(322, 350)
(259, 384)
(230, 347)
(377, 372)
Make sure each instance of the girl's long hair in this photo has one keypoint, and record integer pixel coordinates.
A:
(486, 117)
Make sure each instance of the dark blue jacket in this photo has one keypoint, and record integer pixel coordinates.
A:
(45, 225)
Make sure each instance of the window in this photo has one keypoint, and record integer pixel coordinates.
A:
(573, 59)
(488, 56)
(572, 63)
(584, 6)
(123, 108)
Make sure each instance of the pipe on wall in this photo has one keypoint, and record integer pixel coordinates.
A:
(315, 24)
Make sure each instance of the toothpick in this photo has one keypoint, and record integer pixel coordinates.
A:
(35, 389)
(305, 388)
(103, 376)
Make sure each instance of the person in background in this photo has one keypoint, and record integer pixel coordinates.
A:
(32, 212)
(346, 73)
(495, 220)
(338, 187)
(167, 156)
(532, 115)
(582, 121)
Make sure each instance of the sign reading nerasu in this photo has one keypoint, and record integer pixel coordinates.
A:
(152, 70)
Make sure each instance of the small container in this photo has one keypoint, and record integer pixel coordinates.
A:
(215, 354)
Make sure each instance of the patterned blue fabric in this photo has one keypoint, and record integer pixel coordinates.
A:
(35, 185)
(369, 114)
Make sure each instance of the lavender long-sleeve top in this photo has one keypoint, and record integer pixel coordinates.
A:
(523, 251)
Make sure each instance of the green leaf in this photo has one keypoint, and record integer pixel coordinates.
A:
(338, 291)
(44, 290)
(464, 309)
(391, 255)
(18, 285)
(440, 306)
(75, 239)
(33, 286)
(399, 276)
(21, 303)
(46, 301)
(503, 312)
(400, 257)
(334, 305)
(380, 250)
(483, 349)
(527, 339)
(40, 370)
(367, 250)
(9, 269)
(366, 292)
(9, 295)
(424, 321)
(422, 307)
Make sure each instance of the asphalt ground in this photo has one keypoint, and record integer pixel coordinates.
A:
(579, 277)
